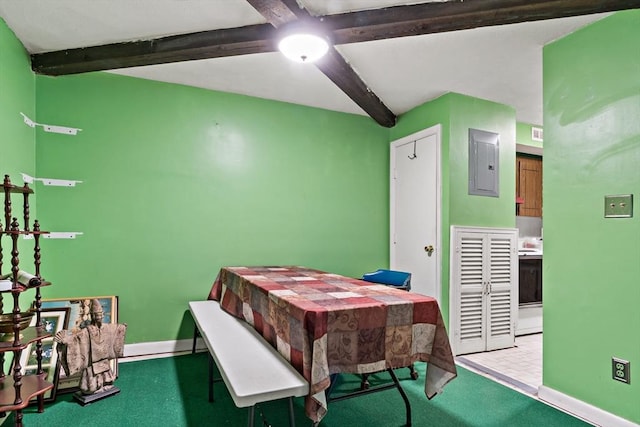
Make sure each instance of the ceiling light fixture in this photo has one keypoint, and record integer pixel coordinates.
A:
(303, 42)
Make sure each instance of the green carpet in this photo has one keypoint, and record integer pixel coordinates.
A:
(173, 392)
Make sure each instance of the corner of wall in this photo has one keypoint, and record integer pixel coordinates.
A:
(17, 85)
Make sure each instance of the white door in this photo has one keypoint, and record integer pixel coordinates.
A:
(415, 209)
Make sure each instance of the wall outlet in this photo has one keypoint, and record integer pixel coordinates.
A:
(621, 370)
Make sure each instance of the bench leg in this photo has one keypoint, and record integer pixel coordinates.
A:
(210, 378)
(292, 419)
(252, 413)
(196, 334)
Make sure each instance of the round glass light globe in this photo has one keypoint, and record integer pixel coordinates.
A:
(303, 47)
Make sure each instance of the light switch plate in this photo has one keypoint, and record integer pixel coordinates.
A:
(620, 206)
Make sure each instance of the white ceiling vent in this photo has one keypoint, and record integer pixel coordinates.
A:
(536, 134)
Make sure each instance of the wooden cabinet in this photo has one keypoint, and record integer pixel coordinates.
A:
(17, 390)
(529, 185)
(484, 280)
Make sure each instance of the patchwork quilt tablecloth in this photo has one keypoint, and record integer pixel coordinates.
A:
(324, 323)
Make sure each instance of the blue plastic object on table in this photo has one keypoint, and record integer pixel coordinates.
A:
(399, 279)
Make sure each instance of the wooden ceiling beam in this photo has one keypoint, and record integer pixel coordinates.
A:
(398, 21)
(454, 15)
(279, 12)
(333, 65)
(183, 47)
(338, 70)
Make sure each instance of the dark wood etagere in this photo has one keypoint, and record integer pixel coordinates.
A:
(16, 389)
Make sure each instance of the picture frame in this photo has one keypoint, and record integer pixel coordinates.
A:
(79, 317)
(53, 320)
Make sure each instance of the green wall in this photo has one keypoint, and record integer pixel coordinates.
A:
(457, 113)
(592, 264)
(523, 134)
(179, 181)
(17, 95)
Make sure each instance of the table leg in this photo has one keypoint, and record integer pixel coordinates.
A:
(414, 373)
(403, 394)
(332, 382)
(361, 392)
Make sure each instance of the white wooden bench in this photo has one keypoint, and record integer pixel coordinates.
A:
(251, 368)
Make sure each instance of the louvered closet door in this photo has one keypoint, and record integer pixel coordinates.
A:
(471, 329)
(484, 291)
(501, 296)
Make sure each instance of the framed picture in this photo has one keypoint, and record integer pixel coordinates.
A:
(79, 318)
(53, 320)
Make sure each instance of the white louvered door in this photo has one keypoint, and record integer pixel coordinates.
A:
(484, 279)
(472, 308)
(502, 301)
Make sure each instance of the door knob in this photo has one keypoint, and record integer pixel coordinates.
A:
(428, 249)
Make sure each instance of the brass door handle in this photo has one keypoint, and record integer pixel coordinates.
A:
(428, 249)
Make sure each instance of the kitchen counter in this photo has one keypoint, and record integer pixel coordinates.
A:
(529, 253)
(529, 256)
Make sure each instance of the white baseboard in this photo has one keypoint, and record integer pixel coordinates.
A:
(581, 409)
(149, 350)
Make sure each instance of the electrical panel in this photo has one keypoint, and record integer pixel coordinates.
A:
(484, 155)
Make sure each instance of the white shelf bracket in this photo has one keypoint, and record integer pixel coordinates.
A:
(51, 128)
(50, 181)
(56, 235)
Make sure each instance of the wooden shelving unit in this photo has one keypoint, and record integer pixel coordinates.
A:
(17, 390)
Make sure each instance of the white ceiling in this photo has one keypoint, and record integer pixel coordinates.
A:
(501, 64)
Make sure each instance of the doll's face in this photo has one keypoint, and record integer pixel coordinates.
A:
(97, 316)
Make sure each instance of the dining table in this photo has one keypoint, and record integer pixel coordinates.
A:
(325, 324)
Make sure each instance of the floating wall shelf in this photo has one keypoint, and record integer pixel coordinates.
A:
(50, 181)
(57, 235)
(51, 128)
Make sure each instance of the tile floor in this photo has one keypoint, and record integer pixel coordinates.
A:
(519, 367)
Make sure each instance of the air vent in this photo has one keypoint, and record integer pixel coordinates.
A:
(536, 134)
